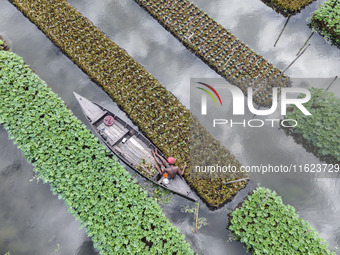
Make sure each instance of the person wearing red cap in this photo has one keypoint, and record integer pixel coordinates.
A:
(167, 166)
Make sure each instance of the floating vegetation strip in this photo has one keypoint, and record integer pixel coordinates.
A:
(267, 226)
(322, 128)
(161, 117)
(217, 47)
(117, 213)
(288, 7)
(326, 21)
(207, 151)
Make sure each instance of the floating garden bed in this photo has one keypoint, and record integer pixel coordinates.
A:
(161, 117)
(288, 7)
(207, 151)
(117, 213)
(267, 226)
(322, 128)
(326, 21)
(217, 47)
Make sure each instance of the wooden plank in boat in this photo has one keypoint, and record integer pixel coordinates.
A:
(140, 151)
(127, 155)
(143, 146)
(110, 141)
(131, 152)
(119, 125)
(115, 129)
(96, 118)
(140, 145)
(113, 132)
(138, 157)
(111, 135)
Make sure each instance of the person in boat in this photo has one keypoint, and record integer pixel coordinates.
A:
(167, 166)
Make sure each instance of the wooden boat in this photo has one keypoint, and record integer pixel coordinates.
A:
(130, 146)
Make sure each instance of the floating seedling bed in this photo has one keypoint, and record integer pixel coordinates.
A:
(206, 151)
(266, 226)
(310, 147)
(326, 21)
(202, 35)
(150, 106)
(287, 7)
(319, 132)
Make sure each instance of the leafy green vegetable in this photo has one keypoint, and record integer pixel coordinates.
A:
(270, 227)
(326, 21)
(119, 216)
(322, 128)
(161, 117)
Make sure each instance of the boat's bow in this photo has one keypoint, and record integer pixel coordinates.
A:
(92, 111)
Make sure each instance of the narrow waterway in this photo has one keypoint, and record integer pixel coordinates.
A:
(33, 221)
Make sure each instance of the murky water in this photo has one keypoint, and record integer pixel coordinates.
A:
(33, 221)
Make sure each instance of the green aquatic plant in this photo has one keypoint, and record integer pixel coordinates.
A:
(57, 243)
(326, 21)
(199, 221)
(160, 195)
(157, 113)
(118, 214)
(267, 226)
(322, 128)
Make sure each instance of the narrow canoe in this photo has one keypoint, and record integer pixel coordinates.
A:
(130, 146)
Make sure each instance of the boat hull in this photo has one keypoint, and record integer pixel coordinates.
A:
(130, 146)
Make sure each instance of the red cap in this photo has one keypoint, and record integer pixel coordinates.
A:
(171, 160)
